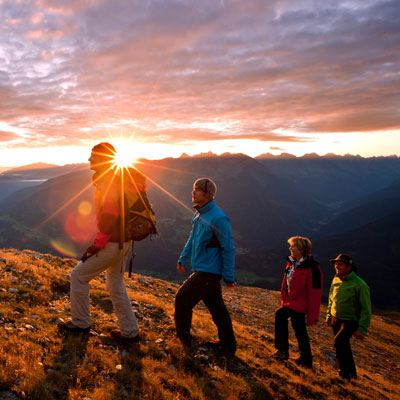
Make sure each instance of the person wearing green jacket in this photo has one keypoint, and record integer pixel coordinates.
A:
(349, 312)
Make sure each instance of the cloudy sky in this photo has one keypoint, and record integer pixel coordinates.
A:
(176, 76)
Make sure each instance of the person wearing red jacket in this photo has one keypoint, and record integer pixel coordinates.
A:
(300, 298)
(107, 253)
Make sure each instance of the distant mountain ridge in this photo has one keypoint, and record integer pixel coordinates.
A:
(34, 166)
(31, 175)
(317, 156)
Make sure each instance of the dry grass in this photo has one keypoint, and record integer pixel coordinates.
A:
(36, 362)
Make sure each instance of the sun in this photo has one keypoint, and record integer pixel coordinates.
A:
(125, 155)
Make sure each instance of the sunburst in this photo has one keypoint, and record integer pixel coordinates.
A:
(120, 163)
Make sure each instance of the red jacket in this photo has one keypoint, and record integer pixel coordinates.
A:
(305, 291)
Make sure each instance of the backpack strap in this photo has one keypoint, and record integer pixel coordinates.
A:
(133, 255)
(214, 242)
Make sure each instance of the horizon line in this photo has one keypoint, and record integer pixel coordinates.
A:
(284, 155)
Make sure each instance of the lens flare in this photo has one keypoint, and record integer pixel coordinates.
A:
(85, 208)
(80, 228)
(64, 248)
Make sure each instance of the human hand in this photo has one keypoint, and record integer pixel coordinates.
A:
(230, 284)
(180, 268)
(331, 321)
(90, 251)
(358, 335)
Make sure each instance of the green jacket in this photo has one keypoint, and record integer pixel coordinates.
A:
(349, 299)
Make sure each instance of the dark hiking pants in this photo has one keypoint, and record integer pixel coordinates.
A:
(343, 331)
(207, 287)
(298, 320)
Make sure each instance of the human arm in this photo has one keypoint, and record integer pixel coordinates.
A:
(107, 213)
(223, 231)
(329, 317)
(186, 252)
(314, 289)
(365, 309)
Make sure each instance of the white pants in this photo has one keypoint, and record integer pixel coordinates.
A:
(111, 259)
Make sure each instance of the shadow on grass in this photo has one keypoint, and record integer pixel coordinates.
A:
(208, 385)
(128, 381)
(104, 302)
(255, 390)
(62, 374)
(197, 362)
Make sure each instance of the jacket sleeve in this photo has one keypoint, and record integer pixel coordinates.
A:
(365, 309)
(329, 308)
(107, 218)
(314, 286)
(187, 251)
(223, 231)
(284, 286)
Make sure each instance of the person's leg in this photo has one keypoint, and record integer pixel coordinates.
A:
(343, 331)
(80, 278)
(188, 295)
(220, 315)
(119, 297)
(300, 329)
(281, 329)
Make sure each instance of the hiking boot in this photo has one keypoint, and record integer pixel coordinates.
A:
(216, 345)
(70, 327)
(281, 355)
(118, 335)
(186, 339)
(348, 376)
(303, 362)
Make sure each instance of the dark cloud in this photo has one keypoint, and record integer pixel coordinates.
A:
(70, 69)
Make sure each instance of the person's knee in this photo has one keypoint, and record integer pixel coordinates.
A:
(180, 298)
(115, 288)
(340, 342)
(75, 277)
(280, 314)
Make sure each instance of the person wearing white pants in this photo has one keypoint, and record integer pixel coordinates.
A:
(107, 253)
(109, 258)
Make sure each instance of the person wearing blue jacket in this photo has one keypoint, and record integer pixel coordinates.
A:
(211, 251)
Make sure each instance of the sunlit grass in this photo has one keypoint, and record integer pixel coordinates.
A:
(36, 362)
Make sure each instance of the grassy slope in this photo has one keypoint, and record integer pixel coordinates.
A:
(37, 362)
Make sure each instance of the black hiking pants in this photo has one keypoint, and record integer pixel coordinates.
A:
(298, 320)
(207, 287)
(343, 331)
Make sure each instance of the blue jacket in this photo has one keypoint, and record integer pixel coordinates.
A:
(210, 244)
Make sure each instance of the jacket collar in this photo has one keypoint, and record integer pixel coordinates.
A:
(348, 277)
(305, 263)
(207, 207)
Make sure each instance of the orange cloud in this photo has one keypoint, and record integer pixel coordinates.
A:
(7, 136)
(175, 72)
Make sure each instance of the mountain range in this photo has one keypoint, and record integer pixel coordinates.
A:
(344, 204)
